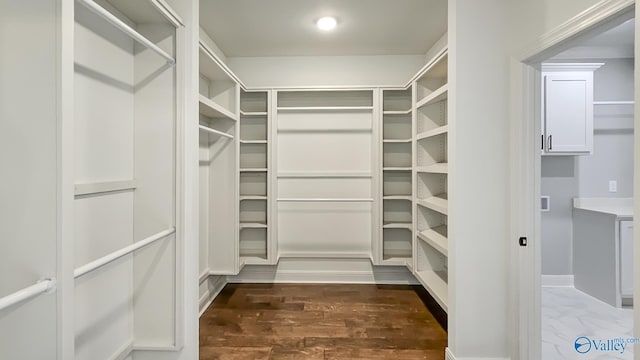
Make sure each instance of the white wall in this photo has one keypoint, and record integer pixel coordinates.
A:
(29, 180)
(478, 199)
(566, 177)
(294, 71)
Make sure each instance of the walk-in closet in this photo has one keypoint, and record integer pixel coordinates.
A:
(246, 157)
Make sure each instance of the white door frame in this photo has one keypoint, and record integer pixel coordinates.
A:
(525, 163)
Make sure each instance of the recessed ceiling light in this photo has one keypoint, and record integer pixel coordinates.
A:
(327, 23)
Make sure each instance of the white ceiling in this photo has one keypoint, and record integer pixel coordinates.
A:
(614, 43)
(287, 27)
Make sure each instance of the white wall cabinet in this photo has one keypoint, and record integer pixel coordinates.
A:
(567, 108)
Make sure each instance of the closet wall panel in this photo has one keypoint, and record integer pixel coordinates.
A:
(104, 135)
(29, 244)
(324, 178)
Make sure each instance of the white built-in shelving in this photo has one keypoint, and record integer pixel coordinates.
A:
(254, 150)
(397, 158)
(431, 178)
(219, 116)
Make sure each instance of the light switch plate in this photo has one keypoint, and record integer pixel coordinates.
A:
(613, 186)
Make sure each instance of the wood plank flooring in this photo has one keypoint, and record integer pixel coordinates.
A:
(290, 321)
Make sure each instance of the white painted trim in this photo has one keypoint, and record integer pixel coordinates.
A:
(380, 275)
(324, 255)
(210, 295)
(448, 354)
(552, 67)
(104, 187)
(557, 281)
(599, 13)
(123, 353)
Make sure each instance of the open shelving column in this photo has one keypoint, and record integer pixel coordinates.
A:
(254, 223)
(125, 98)
(431, 179)
(397, 158)
(218, 175)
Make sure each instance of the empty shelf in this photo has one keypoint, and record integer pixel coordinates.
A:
(214, 131)
(391, 141)
(437, 238)
(253, 141)
(253, 225)
(397, 197)
(326, 108)
(253, 113)
(437, 203)
(396, 168)
(397, 225)
(252, 197)
(436, 286)
(434, 132)
(253, 170)
(397, 112)
(438, 95)
(397, 261)
(211, 109)
(439, 168)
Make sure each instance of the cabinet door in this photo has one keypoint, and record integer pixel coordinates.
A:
(626, 258)
(568, 112)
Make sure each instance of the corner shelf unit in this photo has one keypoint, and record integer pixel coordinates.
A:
(254, 202)
(219, 104)
(397, 158)
(431, 178)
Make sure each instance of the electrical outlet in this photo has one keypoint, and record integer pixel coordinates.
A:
(613, 186)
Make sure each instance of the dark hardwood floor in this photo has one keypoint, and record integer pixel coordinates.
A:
(290, 321)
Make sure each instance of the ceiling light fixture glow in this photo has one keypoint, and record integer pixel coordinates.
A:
(326, 23)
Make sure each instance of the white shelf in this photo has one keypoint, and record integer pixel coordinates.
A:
(436, 285)
(431, 133)
(253, 170)
(253, 113)
(325, 108)
(396, 169)
(215, 132)
(397, 225)
(437, 203)
(438, 95)
(252, 225)
(253, 141)
(397, 197)
(436, 238)
(396, 141)
(397, 112)
(397, 261)
(210, 109)
(439, 168)
(252, 197)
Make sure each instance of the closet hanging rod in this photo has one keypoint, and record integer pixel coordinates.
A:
(121, 25)
(213, 131)
(40, 287)
(614, 102)
(96, 264)
(324, 200)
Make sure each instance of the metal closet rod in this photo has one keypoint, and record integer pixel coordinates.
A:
(94, 265)
(121, 25)
(41, 287)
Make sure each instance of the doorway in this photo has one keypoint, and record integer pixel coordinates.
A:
(534, 177)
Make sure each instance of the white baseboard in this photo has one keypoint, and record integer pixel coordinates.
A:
(216, 285)
(123, 353)
(324, 270)
(557, 280)
(449, 356)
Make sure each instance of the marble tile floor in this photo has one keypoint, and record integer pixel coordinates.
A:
(568, 313)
